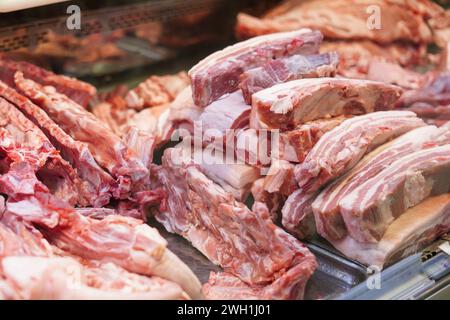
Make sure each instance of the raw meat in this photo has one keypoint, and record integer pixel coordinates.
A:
(183, 108)
(219, 73)
(355, 56)
(78, 91)
(111, 153)
(287, 69)
(345, 19)
(408, 234)
(297, 214)
(52, 170)
(435, 91)
(370, 208)
(340, 149)
(126, 242)
(329, 220)
(97, 184)
(392, 73)
(156, 90)
(287, 105)
(427, 111)
(273, 201)
(296, 144)
(244, 243)
(222, 118)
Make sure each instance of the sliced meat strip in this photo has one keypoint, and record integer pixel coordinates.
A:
(371, 207)
(108, 149)
(340, 149)
(326, 206)
(287, 105)
(97, 184)
(287, 69)
(219, 73)
(297, 214)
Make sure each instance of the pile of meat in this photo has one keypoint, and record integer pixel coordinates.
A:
(396, 31)
(271, 148)
(72, 200)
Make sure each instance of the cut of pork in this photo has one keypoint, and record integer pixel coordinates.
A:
(78, 91)
(108, 149)
(340, 149)
(126, 242)
(287, 105)
(427, 111)
(244, 243)
(329, 220)
(287, 69)
(183, 109)
(371, 207)
(414, 230)
(344, 19)
(97, 184)
(223, 117)
(219, 73)
(52, 170)
(297, 214)
(296, 144)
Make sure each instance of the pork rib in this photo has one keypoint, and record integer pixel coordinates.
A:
(97, 184)
(287, 105)
(52, 170)
(244, 243)
(369, 208)
(219, 73)
(287, 69)
(340, 149)
(108, 149)
(78, 91)
(326, 206)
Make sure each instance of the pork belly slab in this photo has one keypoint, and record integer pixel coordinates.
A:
(326, 206)
(109, 150)
(246, 244)
(287, 105)
(97, 185)
(415, 229)
(219, 73)
(286, 69)
(369, 208)
(79, 91)
(345, 19)
(340, 149)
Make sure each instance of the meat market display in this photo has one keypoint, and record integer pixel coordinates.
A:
(240, 176)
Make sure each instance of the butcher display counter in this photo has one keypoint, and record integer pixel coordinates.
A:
(122, 43)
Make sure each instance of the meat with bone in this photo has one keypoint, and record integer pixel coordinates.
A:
(183, 108)
(287, 105)
(52, 170)
(326, 209)
(111, 153)
(78, 91)
(371, 207)
(97, 184)
(408, 234)
(219, 73)
(220, 120)
(273, 201)
(31, 270)
(345, 19)
(227, 232)
(27, 196)
(53, 278)
(126, 242)
(287, 69)
(296, 144)
(156, 90)
(340, 149)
